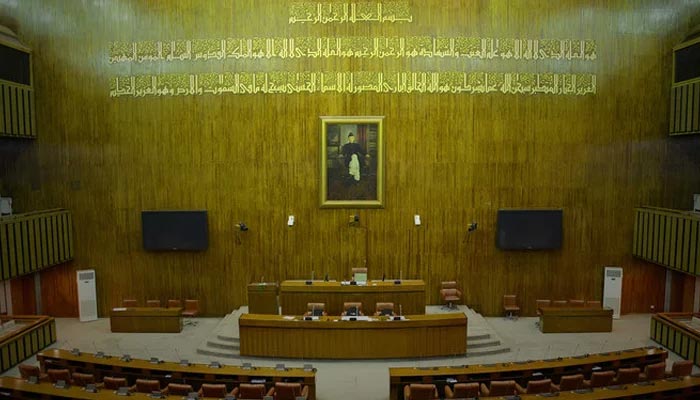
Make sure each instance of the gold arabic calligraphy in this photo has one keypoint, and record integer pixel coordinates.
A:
(338, 12)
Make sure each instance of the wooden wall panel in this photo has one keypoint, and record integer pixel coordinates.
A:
(453, 158)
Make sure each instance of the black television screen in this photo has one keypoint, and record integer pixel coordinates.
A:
(175, 230)
(529, 229)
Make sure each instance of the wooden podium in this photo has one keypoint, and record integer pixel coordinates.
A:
(262, 298)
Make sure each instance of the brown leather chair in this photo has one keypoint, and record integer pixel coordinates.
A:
(510, 305)
(191, 308)
(80, 379)
(130, 303)
(174, 303)
(420, 391)
(56, 375)
(146, 386)
(26, 370)
(217, 390)
(575, 303)
(569, 382)
(312, 308)
(593, 304)
(535, 387)
(450, 296)
(462, 391)
(113, 383)
(600, 379)
(682, 368)
(560, 303)
(289, 391)
(654, 371)
(627, 376)
(350, 305)
(153, 303)
(384, 309)
(498, 388)
(251, 391)
(178, 389)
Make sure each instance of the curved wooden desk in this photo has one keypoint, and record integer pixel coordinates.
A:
(329, 337)
(410, 294)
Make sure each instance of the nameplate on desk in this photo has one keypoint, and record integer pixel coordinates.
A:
(185, 363)
(123, 391)
(397, 282)
(398, 318)
(354, 318)
(311, 318)
(309, 282)
(91, 388)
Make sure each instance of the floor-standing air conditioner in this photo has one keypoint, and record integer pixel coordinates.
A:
(87, 295)
(612, 290)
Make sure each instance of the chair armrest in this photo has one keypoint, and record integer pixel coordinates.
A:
(520, 389)
(484, 390)
(305, 392)
(449, 394)
(406, 392)
(235, 391)
(271, 392)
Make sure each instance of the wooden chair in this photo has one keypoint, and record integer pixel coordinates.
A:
(26, 371)
(535, 387)
(113, 383)
(178, 389)
(251, 391)
(315, 309)
(217, 390)
(569, 382)
(600, 379)
(462, 391)
(627, 376)
(191, 310)
(56, 375)
(420, 391)
(384, 309)
(450, 296)
(349, 307)
(289, 391)
(498, 388)
(130, 303)
(575, 303)
(146, 386)
(81, 379)
(510, 306)
(153, 303)
(654, 371)
(174, 303)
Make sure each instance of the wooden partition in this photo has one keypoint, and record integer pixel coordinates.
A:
(672, 330)
(35, 240)
(167, 372)
(17, 345)
(522, 371)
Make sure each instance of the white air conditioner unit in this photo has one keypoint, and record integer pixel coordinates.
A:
(87, 295)
(612, 290)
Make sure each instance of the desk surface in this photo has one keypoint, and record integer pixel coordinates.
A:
(330, 337)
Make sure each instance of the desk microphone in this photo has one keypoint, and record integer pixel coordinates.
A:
(383, 276)
(326, 278)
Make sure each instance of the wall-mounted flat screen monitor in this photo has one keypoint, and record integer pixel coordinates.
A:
(529, 229)
(175, 230)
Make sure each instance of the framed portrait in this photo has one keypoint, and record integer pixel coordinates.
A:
(352, 162)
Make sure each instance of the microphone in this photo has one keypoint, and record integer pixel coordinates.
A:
(326, 278)
(383, 276)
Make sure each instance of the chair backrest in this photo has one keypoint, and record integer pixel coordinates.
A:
(26, 370)
(539, 386)
(627, 375)
(251, 391)
(153, 303)
(422, 391)
(174, 304)
(451, 292)
(147, 385)
(576, 303)
(509, 300)
(192, 305)
(287, 390)
(466, 390)
(560, 303)
(114, 383)
(130, 303)
(179, 389)
(352, 306)
(655, 371)
(602, 378)
(449, 285)
(385, 308)
(593, 304)
(570, 382)
(59, 375)
(682, 368)
(213, 390)
(315, 308)
(81, 379)
(502, 388)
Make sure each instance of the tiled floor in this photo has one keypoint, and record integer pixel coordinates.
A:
(357, 379)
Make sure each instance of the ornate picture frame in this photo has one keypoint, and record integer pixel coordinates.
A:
(352, 162)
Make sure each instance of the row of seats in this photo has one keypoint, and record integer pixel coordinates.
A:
(623, 376)
(191, 308)
(575, 303)
(280, 391)
(349, 309)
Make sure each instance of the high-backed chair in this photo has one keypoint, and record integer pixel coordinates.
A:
(174, 303)
(81, 379)
(56, 375)
(191, 308)
(420, 391)
(627, 376)
(153, 303)
(251, 391)
(352, 308)
(449, 285)
(682, 368)
(289, 391)
(576, 303)
(27, 370)
(593, 304)
(217, 390)
(146, 386)
(498, 388)
(535, 387)
(384, 309)
(113, 383)
(462, 391)
(600, 379)
(450, 296)
(560, 303)
(653, 371)
(510, 306)
(130, 303)
(178, 389)
(317, 309)
(569, 382)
